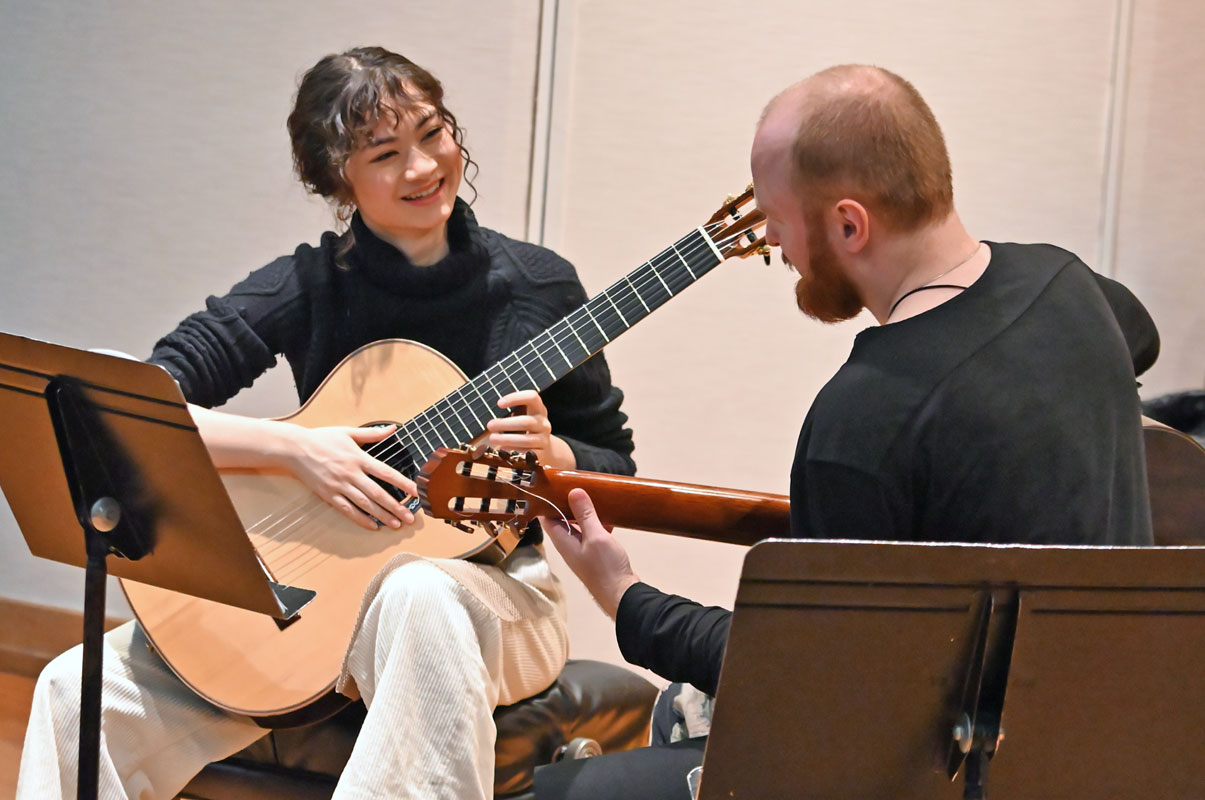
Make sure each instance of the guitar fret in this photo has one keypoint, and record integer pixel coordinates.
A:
(536, 350)
(459, 420)
(578, 347)
(663, 283)
(552, 339)
(486, 375)
(427, 442)
(523, 366)
(446, 424)
(638, 297)
(607, 295)
(590, 314)
(513, 385)
(579, 338)
(489, 409)
(683, 260)
(476, 419)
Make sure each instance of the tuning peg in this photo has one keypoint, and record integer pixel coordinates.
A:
(764, 252)
(749, 188)
(461, 526)
(531, 460)
(729, 199)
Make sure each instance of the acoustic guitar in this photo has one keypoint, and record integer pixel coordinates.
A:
(284, 674)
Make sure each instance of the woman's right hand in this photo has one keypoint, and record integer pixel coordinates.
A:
(331, 462)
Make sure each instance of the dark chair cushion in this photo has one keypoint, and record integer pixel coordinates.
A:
(590, 699)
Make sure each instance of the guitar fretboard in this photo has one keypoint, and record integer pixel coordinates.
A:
(461, 416)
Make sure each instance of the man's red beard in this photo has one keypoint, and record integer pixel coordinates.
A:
(822, 291)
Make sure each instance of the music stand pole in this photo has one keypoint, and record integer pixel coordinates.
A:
(116, 514)
(91, 678)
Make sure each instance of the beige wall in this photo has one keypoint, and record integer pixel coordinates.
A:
(1160, 235)
(145, 165)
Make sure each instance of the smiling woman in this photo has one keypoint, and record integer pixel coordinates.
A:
(436, 643)
(404, 181)
(371, 133)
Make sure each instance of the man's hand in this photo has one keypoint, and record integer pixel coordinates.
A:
(596, 557)
(529, 430)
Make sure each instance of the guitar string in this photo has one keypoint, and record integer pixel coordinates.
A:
(300, 544)
(279, 523)
(303, 514)
(520, 487)
(394, 443)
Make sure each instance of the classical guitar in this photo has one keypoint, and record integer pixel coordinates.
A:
(247, 663)
(501, 492)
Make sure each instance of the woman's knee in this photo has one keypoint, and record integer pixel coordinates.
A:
(420, 583)
(58, 685)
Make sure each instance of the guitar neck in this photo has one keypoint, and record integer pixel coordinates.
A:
(461, 416)
(680, 509)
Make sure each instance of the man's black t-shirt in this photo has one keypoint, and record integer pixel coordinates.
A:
(1007, 414)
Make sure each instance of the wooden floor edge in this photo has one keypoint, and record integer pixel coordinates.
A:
(33, 634)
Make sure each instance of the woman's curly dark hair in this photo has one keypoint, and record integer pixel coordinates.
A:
(339, 102)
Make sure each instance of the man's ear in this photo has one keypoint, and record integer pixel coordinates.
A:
(854, 225)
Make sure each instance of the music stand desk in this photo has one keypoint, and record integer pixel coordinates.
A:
(105, 446)
(877, 669)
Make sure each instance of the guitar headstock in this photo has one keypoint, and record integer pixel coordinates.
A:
(732, 227)
(482, 485)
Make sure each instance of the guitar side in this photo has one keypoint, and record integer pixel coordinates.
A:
(245, 662)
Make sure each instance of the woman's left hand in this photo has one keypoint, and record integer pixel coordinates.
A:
(528, 429)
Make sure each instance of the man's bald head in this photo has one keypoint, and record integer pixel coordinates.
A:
(866, 133)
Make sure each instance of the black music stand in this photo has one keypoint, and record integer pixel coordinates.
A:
(106, 444)
(873, 670)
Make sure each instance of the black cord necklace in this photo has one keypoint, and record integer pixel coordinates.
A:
(921, 289)
(931, 285)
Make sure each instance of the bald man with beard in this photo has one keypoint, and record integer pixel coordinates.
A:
(995, 401)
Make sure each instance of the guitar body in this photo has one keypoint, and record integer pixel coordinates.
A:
(244, 662)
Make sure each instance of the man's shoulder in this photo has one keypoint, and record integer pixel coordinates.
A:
(1038, 258)
(860, 413)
